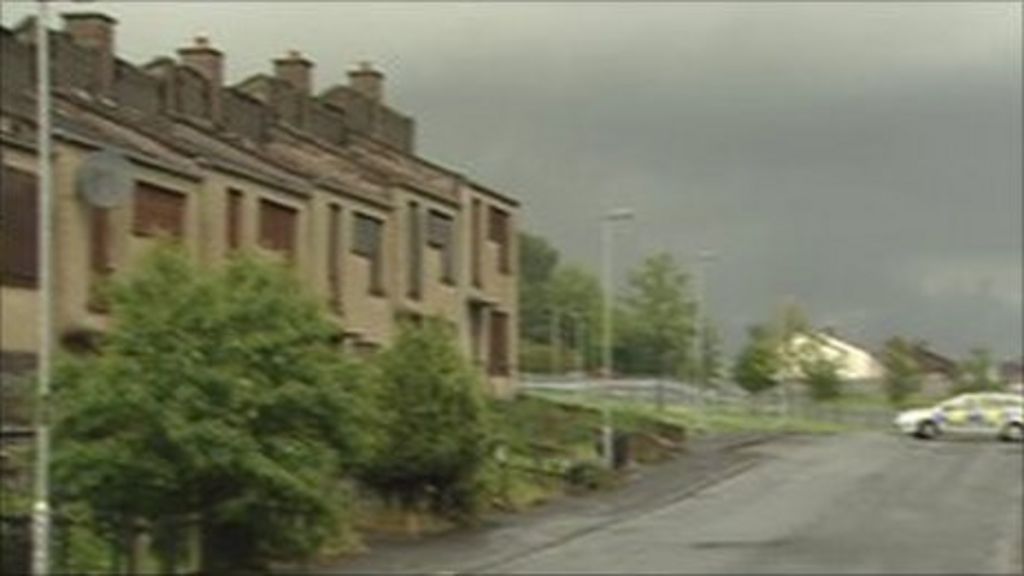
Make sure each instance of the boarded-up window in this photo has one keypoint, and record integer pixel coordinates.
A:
(158, 211)
(415, 251)
(477, 242)
(498, 232)
(367, 242)
(278, 225)
(100, 258)
(441, 235)
(499, 344)
(334, 256)
(234, 219)
(19, 228)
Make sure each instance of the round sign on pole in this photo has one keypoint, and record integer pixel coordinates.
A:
(105, 179)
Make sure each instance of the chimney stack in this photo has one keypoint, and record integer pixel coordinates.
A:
(367, 81)
(209, 62)
(95, 31)
(296, 71)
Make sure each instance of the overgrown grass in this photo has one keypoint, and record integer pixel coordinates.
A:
(548, 440)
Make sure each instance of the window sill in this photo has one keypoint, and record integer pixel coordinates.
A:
(22, 283)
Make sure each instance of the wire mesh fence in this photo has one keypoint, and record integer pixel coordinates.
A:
(726, 399)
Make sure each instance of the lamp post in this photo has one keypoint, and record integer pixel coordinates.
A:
(554, 336)
(41, 504)
(704, 257)
(580, 326)
(607, 220)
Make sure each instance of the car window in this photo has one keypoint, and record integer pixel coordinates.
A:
(956, 403)
(1003, 402)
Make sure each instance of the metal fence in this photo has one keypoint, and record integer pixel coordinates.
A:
(724, 399)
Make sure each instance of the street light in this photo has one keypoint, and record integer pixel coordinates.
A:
(41, 505)
(554, 337)
(579, 328)
(704, 257)
(607, 220)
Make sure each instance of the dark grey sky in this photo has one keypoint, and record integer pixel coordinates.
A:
(862, 159)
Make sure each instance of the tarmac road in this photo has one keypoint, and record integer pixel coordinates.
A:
(860, 503)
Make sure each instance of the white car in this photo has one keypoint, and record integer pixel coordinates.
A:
(990, 413)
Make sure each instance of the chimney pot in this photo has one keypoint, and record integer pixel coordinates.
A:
(368, 81)
(296, 70)
(209, 62)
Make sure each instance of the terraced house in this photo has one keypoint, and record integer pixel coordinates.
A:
(328, 180)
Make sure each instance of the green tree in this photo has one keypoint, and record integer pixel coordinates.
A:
(710, 362)
(656, 330)
(817, 370)
(537, 262)
(576, 296)
(791, 329)
(757, 365)
(217, 393)
(976, 373)
(435, 432)
(902, 373)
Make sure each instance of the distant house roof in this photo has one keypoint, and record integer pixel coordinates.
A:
(1012, 371)
(854, 362)
(932, 362)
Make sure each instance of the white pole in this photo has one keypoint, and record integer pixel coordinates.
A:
(41, 507)
(606, 277)
(699, 340)
(581, 346)
(556, 342)
(703, 257)
(606, 340)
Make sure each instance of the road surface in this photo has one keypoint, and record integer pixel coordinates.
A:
(865, 503)
(853, 503)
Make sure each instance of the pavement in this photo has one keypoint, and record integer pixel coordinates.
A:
(852, 503)
(504, 537)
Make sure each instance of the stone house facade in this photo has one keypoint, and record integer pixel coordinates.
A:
(329, 181)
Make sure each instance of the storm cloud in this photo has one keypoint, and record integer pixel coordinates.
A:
(863, 160)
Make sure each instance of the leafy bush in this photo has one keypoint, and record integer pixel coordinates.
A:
(977, 374)
(217, 392)
(758, 363)
(434, 426)
(588, 474)
(902, 372)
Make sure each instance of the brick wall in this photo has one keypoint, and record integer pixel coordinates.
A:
(17, 73)
(191, 93)
(136, 89)
(244, 115)
(327, 122)
(395, 129)
(73, 67)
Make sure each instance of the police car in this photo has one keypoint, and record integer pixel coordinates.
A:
(989, 413)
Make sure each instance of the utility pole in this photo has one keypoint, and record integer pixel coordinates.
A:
(41, 505)
(581, 343)
(607, 220)
(555, 329)
(703, 258)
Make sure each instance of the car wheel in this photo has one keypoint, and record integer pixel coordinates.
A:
(927, 430)
(1013, 433)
